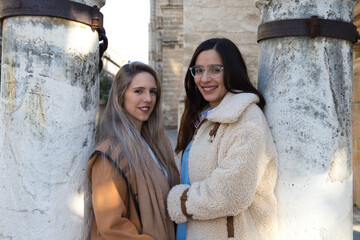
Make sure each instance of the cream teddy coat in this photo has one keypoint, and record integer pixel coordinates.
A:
(232, 174)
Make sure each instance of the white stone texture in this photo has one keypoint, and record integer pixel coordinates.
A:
(48, 103)
(307, 83)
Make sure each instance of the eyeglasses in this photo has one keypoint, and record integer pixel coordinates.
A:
(214, 71)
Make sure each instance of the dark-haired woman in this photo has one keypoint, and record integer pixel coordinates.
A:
(229, 164)
(133, 167)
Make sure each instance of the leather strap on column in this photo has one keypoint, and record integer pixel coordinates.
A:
(312, 27)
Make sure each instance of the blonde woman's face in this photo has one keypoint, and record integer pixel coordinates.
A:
(140, 98)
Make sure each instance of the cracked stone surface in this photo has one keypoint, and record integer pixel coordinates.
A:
(48, 103)
(307, 83)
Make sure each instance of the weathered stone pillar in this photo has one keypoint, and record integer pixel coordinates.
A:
(307, 83)
(48, 103)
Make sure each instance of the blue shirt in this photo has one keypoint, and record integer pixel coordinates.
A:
(184, 174)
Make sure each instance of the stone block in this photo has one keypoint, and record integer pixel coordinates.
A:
(194, 14)
(243, 3)
(356, 177)
(248, 49)
(243, 38)
(221, 14)
(356, 81)
(249, 14)
(240, 26)
(191, 4)
(356, 126)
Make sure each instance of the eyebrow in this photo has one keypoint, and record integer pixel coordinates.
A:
(140, 87)
(214, 64)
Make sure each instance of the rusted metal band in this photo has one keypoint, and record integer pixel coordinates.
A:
(53, 8)
(312, 27)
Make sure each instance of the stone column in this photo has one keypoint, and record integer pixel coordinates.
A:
(48, 103)
(307, 83)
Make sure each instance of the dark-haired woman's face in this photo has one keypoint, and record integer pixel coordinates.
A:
(211, 83)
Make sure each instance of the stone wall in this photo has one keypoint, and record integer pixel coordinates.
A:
(356, 113)
(166, 53)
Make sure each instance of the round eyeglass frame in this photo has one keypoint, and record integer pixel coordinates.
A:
(203, 68)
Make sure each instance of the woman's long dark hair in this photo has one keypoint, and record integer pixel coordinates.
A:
(236, 79)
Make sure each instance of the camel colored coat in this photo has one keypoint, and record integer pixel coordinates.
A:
(232, 177)
(115, 213)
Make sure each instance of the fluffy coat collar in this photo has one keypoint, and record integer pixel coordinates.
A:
(231, 107)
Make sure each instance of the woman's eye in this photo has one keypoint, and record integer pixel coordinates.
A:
(153, 92)
(138, 91)
(198, 70)
(215, 70)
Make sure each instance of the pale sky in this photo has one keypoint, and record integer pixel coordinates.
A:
(126, 24)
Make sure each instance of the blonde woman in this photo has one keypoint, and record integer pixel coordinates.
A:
(132, 168)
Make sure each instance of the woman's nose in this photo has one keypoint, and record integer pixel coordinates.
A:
(147, 97)
(205, 77)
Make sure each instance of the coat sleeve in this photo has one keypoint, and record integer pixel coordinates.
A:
(109, 208)
(231, 187)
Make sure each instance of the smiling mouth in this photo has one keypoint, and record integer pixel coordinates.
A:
(209, 89)
(144, 109)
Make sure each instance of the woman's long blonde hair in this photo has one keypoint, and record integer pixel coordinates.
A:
(116, 125)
